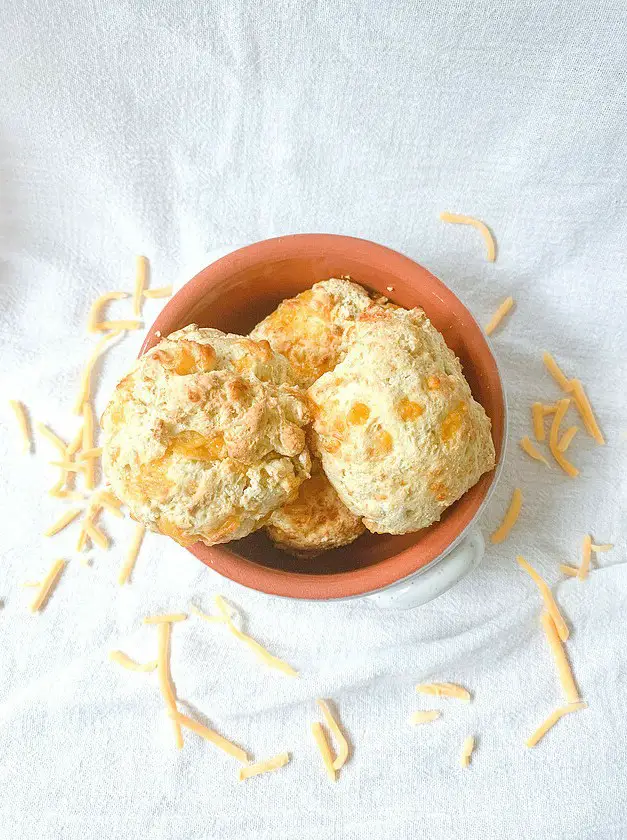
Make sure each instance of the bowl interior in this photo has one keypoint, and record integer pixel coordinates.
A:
(234, 294)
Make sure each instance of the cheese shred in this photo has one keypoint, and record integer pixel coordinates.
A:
(567, 438)
(554, 369)
(570, 571)
(63, 522)
(266, 766)
(575, 387)
(55, 440)
(458, 219)
(94, 311)
(586, 555)
(334, 728)
(209, 735)
(105, 326)
(141, 276)
(444, 689)
(537, 416)
(96, 535)
(161, 292)
(562, 408)
(552, 719)
(88, 445)
(601, 548)
(498, 316)
(467, 751)
(323, 747)
(24, 426)
(547, 597)
(170, 618)
(126, 662)
(564, 670)
(527, 446)
(424, 717)
(165, 680)
(131, 558)
(513, 512)
(47, 585)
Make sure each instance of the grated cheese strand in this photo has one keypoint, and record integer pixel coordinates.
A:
(126, 662)
(571, 571)
(165, 679)
(47, 585)
(553, 368)
(259, 650)
(537, 417)
(107, 497)
(171, 618)
(141, 276)
(585, 410)
(513, 512)
(68, 466)
(547, 597)
(586, 556)
(549, 408)
(467, 751)
(133, 550)
(424, 717)
(562, 408)
(552, 719)
(19, 409)
(323, 747)
(97, 305)
(104, 326)
(161, 292)
(106, 505)
(444, 689)
(266, 766)
(334, 727)
(75, 443)
(96, 535)
(63, 522)
(209, 735)
(567, 438)
(498, 316)
(527, 446)
(459, 219)
(604, 547)
(88, 445)
(564, 670)
(55, 440)
(85, 385)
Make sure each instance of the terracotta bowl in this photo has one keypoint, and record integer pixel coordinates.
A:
(235, 293)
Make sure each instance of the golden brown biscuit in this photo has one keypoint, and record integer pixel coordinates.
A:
(397, 429)
(309, 329)
(315, 521)
(202, 440)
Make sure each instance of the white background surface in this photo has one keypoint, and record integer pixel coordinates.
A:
(171, 128)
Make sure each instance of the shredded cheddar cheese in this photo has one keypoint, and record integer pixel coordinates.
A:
(498, 316)
(458, 219)
(547, 597)
(549, 408)
(571, 571)
(266, 766)
(604, 547)
(96, 535)
(126, 662)
(334, 728)
(528, 447)
(54, 439)
(586, 556)
(574, 387)
(85, 386)
(88, 445)
(323, 747)
(106, 497)
(424, 717)
(444, 689)
(165, 679)
(502, 532)
(171, 618)
(564, 670)
(68, 466)
(537, 416)
(141, 275)
(567, 438)
(105, 326)
(161, 292)
(106, 505)
(209, 735)
(562, 408)
(75, 443)
(97, 305)
(22, 421)
(131, 557)
(63, 522)
(553, 368)
(552, 719)
(260, 652)
(467, 750)
(47, 585)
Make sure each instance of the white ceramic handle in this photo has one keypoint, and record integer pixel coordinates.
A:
(434, 580)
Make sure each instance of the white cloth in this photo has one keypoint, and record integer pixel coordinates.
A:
(172, 127)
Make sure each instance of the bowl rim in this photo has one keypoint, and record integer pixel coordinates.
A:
(363, 580)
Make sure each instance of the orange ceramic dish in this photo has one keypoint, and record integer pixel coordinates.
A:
(239, 290)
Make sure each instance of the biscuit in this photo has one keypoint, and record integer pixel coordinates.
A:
(203, 439)
(315, 521)
(395, 424)
(309, 329)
